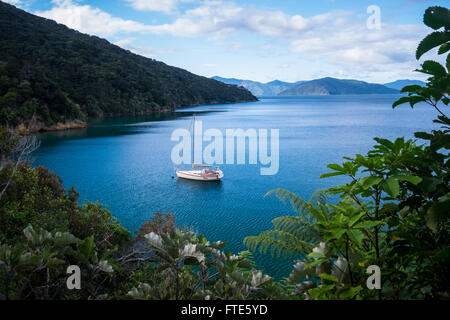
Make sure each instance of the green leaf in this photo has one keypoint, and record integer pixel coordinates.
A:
(412, 100)
(391, 187)
(329, 277)
(335, 167)
(336, 233)
(173, 252)
(443, 255)
(438, 212)
(65, 238)
(443, 49)
(355, 235)
(414, 88)
(368, 182)
(191, 261)
(316, 255)
(350, 293)
(410, 178)
(431, 41)
(330, 174)
(355, 219)
(429, 184)
(431, 220)
(440, 141)
(368, 224)
(314, 263)
(437, 17)
(423, 135)
(447, 61)
(385, 142)
(54, 262)
(245, 264)
(434, 68)
(87, 247)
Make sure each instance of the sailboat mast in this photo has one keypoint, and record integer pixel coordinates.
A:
(193, 142)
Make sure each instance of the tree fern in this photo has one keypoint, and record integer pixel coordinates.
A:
(278, 243)
(292, 235)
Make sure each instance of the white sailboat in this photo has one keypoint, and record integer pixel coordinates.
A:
(205, 173)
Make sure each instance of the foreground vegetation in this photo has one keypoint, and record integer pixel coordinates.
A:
(160, 262)
(393, 213)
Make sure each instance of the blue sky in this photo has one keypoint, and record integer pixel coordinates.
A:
(260, 40)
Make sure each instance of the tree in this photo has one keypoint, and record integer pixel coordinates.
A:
(438, 84)
(393, 212)
(14, 151)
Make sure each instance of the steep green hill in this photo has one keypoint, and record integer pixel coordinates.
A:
(58, 75)
(332, 86)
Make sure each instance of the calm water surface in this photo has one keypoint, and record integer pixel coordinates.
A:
(125, 162)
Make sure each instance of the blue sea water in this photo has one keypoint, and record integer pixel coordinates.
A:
(125, 162)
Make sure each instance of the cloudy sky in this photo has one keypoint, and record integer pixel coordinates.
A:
(260, 40)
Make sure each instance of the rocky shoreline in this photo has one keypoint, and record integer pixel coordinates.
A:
(37, 126)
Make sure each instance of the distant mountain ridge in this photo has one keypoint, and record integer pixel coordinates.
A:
(333, 86)
(323, 86)
(399, 84)
(272, 88)
(57, 77)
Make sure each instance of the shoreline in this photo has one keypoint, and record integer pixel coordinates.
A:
(38, 126)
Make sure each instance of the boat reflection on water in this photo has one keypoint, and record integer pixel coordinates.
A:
(200, 185)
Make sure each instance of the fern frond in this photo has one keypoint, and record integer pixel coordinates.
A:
(320, 197)
(288, 223)
(297, 203)
(277, 243)
(292, 235)
(297, 226)
(249, 256)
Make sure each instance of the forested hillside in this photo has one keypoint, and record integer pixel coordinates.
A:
(57, 75)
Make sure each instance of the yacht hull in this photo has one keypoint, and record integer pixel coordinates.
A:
(197, 175)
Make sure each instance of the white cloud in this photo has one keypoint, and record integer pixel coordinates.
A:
(90, 20)
(231, 46)
(128, 44)
(356, 47)
(13, 2)
(218, 19)
(167, 6)
(22, 4)
(124, 43)
(213, 18)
